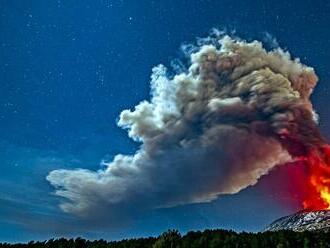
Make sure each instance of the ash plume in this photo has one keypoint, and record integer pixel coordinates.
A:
(213, 129)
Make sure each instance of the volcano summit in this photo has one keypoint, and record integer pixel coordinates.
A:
(303, 221)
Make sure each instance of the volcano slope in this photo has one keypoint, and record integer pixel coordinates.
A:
(303, 221)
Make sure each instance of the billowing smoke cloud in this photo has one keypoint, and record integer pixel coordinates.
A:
(213, 129)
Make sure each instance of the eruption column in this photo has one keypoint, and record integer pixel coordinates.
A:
(234, 96)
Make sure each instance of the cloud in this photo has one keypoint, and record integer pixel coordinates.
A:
(271, 40)
(213, 129)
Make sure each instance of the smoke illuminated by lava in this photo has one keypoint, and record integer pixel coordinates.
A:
(313, 157)
(215, 128)
(318, 183)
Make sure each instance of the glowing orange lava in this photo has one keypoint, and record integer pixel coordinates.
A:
(318, 182)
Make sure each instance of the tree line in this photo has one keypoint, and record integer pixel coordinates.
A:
(196, 239)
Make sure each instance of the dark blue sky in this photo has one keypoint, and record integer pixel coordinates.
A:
(67, 70)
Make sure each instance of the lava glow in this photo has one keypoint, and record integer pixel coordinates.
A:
(318, 180)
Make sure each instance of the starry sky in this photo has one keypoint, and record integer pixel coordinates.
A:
(68, 68)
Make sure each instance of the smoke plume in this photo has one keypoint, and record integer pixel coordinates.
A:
(213, 129)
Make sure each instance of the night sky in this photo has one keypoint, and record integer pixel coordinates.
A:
(68, 68)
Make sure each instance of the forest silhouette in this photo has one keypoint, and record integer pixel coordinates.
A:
(195, 239)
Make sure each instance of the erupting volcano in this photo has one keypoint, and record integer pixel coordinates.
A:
(314, 186)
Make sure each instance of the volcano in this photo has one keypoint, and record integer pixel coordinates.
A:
(303, 221)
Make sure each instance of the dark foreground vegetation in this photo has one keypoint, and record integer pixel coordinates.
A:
(208, 238)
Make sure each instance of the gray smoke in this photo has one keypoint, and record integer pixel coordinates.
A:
(214, 129)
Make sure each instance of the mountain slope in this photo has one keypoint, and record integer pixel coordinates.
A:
(303, 221)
